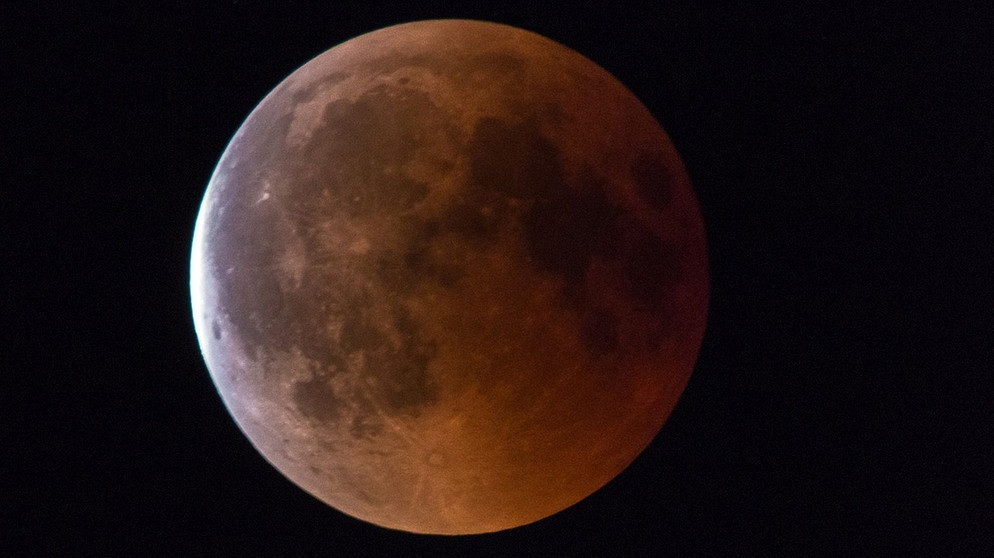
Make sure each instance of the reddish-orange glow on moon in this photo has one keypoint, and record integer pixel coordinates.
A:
(450, 277)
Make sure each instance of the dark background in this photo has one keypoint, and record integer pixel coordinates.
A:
(844, 161)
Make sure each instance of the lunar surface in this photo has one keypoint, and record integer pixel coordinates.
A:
(450, 277)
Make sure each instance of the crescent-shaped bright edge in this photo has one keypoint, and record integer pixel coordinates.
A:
(450, 277)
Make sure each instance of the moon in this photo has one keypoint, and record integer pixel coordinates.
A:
(450, 277)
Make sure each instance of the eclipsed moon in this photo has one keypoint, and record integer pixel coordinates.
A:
(450, 277)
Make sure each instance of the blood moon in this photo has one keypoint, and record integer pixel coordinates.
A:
(450, 277)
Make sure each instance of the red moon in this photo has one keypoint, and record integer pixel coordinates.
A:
(450, 277)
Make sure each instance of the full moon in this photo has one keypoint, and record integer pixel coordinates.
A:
(450, 277)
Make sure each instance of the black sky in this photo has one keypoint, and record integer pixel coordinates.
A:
(844, 161)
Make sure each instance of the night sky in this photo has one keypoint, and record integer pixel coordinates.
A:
(844, 162)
